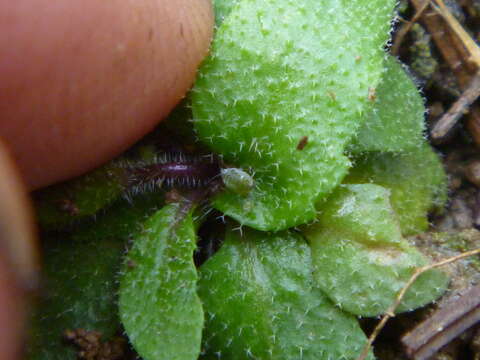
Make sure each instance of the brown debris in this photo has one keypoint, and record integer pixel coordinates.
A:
(461, 213)
(463, 57)
(448, 121)
(405, 28)
(473, 123)
(68, 206)
(472, 172)
(475, 344)
(462, 40)
(463, 274)
(302, 143)
(476, 211)
(444, 326)
(372, 94)
(173, 196)
(91, 347)
(435, 110)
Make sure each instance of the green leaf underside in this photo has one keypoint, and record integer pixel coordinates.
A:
(361, 260)
(159, 307)
(416, 180)
(260, 303)
(281, 70)
(396, 122)
(80, 288)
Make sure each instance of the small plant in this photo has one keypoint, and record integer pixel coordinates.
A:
(320, 170)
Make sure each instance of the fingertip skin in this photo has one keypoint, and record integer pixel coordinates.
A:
(18, 257)
(82, 81)
(11, 315)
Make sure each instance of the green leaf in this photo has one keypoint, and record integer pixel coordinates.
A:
(80, 278)
(122, 221)
(222, 8)
(159, 307)
(281, 71)
(260, 303)
(80, 292)
(415, 178)
(61, 204)
(396, 122)
(361, 260)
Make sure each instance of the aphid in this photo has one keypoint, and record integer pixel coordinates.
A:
(237, 180)
(302, 143)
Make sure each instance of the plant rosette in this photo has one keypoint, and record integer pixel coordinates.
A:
(312, 170)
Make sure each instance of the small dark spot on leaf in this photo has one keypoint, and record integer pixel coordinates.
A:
(302, 143)
(372, 94)
(332, 95)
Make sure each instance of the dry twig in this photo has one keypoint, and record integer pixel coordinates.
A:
(444, 37)
(463, 57)
(448, 121)
(391, 310)
(470, 46)
(444, 326)
(406, 28)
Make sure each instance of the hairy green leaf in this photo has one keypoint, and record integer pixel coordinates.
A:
(284, 73)
(416, 180)
(60, 204)
(260, 303)
(79, 293)
(222, 8)
(396, 122)
(159, 307)
(361, 260)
